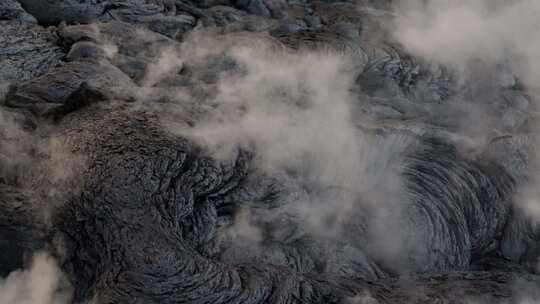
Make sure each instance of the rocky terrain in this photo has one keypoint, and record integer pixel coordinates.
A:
(269, 151)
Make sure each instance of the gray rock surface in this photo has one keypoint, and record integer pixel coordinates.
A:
(53, 12)
(12, 10)
(27, 51)
(101, 163)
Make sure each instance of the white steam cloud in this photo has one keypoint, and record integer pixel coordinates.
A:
(41, 283)
(294, 109)
(363, 298)
(167, 63)
(458, 32)
(461, 33)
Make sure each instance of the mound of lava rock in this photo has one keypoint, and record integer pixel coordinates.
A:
(136, 213)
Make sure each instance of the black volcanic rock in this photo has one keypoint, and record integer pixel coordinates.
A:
(12, 10)
(53, 89)
(27, 51)
(53, 12)
(103, 165)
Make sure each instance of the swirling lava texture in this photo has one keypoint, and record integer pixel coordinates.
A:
(259, 151)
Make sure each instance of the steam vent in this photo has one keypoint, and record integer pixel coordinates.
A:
(269, 151)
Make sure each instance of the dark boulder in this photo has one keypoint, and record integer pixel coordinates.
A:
(43, 94)
(56, 11)
(12, 10)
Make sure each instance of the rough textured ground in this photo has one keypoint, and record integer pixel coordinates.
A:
(103, 103)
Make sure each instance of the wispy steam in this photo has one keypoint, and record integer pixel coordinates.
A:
(294, 110)
(42, 283)
(500, 34)
(167, 63)
(458, 32)
(364, 298)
